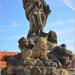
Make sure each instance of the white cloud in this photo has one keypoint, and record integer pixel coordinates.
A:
(61, 26)
(15, 24)
(57, 24)
(15, 37)
(5, 29)
(70, 3)
(10, 25)
(62, 22)
(66, 31)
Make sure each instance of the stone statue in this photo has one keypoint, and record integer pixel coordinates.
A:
(23, 45)
(52, 39)
(36, 12)
(39, 51)
(41, 48)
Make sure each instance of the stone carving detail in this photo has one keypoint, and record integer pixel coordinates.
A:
(40, 50)
(40, 53)
(37, 12)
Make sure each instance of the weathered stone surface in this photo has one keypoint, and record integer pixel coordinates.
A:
(40, 53)
(36, 12)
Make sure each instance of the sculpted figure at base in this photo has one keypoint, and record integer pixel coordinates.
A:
(52, 40)
(39, 51)
(41, 48)
(23, 45)
(36, 12)
(40, 54)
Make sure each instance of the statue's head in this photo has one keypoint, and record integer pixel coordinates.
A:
(52, 36)
(23, 42)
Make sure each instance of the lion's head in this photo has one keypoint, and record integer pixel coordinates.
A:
(52, 36)
(23, 42)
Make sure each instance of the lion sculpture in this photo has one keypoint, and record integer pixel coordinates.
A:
(39, 51)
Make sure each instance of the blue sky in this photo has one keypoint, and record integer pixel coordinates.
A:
(13, 23)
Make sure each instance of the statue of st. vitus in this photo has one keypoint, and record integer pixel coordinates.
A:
(36, 12)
